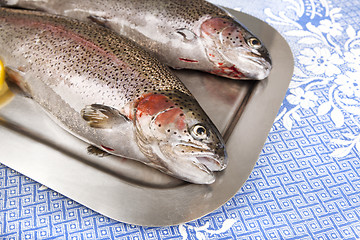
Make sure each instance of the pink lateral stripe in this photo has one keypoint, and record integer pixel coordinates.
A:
(62, 30)
(188, 60)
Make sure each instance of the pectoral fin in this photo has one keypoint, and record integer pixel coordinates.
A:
(92, 150)
(100, 116)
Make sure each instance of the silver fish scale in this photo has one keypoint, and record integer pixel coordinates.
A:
(51, 46)
(183, 13)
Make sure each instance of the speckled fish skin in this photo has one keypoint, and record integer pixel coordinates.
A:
(190, 34)
(111, 93)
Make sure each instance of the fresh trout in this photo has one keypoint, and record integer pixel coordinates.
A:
(111, 93)
(190, 34)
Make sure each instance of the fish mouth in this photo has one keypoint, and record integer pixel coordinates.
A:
(263, 66)
(246, 65)
(192, 162)
(261, 59)
(211, 163)
(205, 160)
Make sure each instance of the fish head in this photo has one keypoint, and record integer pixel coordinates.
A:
(234, 51)
(178, 137)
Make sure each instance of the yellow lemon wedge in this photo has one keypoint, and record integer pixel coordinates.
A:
(2, 76)
(5, 94)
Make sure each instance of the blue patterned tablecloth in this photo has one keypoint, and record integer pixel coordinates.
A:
(306, 182)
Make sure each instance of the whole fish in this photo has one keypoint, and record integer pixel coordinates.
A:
(110, 92)
(190, 34)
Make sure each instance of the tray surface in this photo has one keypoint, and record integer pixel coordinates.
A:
(131, 192)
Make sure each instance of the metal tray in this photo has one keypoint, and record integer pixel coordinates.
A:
(131, 192)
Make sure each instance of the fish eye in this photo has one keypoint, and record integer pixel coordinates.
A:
(199, 131)
(254, 42)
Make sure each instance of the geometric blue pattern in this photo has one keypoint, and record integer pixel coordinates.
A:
(299, 188)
